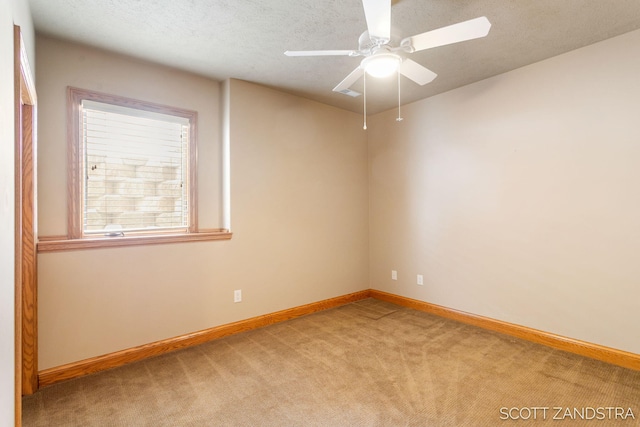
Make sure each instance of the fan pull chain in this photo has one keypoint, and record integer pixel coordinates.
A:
(364, 83)
(399, 119)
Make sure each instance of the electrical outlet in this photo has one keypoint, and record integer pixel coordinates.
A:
(420, 279)
(394, 275)
(237, 295)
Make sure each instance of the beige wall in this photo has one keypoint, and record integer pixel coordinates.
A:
(514, 197)
(299, 206)
(7, 224)
(517, 197)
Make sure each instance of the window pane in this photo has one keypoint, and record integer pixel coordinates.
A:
(136, 169)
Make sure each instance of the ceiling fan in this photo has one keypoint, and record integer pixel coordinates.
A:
(383, 59)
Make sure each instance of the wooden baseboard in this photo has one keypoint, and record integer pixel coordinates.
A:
(100, 363)
(582, 348)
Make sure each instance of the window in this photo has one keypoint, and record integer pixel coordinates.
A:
(135, 166)
(135, 169)
(132, 175)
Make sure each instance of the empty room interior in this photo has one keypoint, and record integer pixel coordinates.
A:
(454, 244)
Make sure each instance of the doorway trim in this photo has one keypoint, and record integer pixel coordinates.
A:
(26, 360)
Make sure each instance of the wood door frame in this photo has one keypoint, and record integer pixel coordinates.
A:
(18, 226)
(26, 361)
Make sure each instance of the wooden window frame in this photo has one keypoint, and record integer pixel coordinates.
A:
(75, 238)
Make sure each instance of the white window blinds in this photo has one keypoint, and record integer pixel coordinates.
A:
(136, 175)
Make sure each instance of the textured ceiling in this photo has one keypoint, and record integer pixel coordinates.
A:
(245, 39)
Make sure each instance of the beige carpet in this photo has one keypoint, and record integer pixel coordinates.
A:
(369, 363)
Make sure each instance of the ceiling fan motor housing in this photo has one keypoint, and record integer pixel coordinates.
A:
(367, 44)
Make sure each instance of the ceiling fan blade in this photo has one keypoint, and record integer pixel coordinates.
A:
(320, 53)
(343, 86)
(467, 30)
(378, 15)
(416, 72)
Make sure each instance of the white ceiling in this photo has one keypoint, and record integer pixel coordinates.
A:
(245, 39)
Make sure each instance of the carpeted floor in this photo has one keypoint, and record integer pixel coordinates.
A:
(369, 363)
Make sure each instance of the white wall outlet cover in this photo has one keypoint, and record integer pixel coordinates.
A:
(420, 279)
(394, 275)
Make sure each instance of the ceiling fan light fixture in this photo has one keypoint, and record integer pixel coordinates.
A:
(381, 64)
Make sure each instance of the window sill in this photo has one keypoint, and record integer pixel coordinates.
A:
(62, 243)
